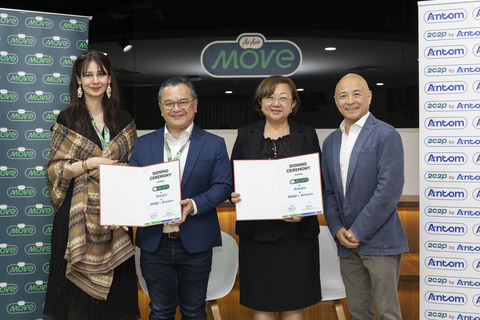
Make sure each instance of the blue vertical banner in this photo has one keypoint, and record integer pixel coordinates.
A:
(449, 80)
(37, 52)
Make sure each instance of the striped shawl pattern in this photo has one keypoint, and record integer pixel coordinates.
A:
(92, 252)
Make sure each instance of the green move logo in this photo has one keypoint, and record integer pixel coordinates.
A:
(38, 59)
(6, 172)
(8, 58)
(21, 77)
(82, 44)
(37, 172)
(46, 154)
(46, 267)
(39, 210)
(21, 268)
(39, 97)
(8, 134)
(36, 287)
(8, 211)
(251, 55)
(6, 20)
(47, 229)
(21, 153)
(56, 42)
(67, 61)
(65, 98)
(38, 134)
(21, 115)
(38, 248)
(21, 192)
(8, 96)
(21, 229)
(39, 22)
(21, 307)
(51, 116)
(56, 78)
(46, 192)
(21, 40)
(8, 288)
(73, 25)
(8, 249)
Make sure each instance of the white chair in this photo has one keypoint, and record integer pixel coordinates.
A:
(222, 277)
(333, 289)
(223, 274)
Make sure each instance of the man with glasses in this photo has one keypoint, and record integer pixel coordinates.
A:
(176, 257)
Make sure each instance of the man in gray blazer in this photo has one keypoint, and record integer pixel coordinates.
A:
(362, 165)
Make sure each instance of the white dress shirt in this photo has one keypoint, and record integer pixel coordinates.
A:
(175, 146)
(348, 141)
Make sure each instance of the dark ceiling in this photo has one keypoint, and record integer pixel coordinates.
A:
(375, 38)
(147, 19)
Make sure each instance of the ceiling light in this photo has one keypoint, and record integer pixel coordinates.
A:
(194, 78)
(228, 92)
(379, 83)
(125, 44)
(300, 89)
(330, 49)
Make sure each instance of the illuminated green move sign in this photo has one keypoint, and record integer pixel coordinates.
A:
(251, 55)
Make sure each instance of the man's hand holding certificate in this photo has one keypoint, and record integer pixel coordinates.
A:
(279, 188)
(140, 196)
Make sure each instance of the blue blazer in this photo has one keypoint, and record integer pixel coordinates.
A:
(207, 180)
(374, 186)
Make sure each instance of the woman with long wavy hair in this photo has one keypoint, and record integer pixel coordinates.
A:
(92, 269)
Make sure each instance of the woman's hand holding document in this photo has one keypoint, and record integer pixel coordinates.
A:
(140, 196)
(279, 188)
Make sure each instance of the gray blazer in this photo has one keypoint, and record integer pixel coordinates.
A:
(374, 186)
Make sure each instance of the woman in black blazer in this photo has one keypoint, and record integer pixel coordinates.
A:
(279, 259)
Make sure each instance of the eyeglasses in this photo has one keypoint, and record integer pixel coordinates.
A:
(281, 100)
(181, 104)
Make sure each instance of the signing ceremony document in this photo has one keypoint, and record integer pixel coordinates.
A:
(278, 188)
(140, 196)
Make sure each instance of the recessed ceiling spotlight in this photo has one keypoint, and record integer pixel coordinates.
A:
(300, 89)
(228, 92)
(330, 49)
(379, 83)
(125, 44)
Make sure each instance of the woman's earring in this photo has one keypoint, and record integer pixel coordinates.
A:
(109, 91)
(79, 91)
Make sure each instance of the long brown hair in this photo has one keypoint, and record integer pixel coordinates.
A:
(77, 112)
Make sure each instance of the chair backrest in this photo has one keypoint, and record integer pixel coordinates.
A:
(141, 279)
(330, 277)
(224, 269)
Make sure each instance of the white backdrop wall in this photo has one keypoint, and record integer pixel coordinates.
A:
(449, 87)
(410, 146)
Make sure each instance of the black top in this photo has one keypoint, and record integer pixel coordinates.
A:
(250, 144)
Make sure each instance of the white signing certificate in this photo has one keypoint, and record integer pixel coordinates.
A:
(140, 196)
(278, 188)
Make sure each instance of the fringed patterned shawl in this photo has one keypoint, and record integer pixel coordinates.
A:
(92, 252)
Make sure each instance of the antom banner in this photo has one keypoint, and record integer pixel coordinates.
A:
(449, 80)
(37, 52)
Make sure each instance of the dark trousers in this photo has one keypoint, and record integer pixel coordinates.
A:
(176, 277)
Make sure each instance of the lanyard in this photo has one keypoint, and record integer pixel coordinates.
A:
(179, 153)
(105, 140)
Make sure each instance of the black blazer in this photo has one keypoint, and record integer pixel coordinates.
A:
(248, 146)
